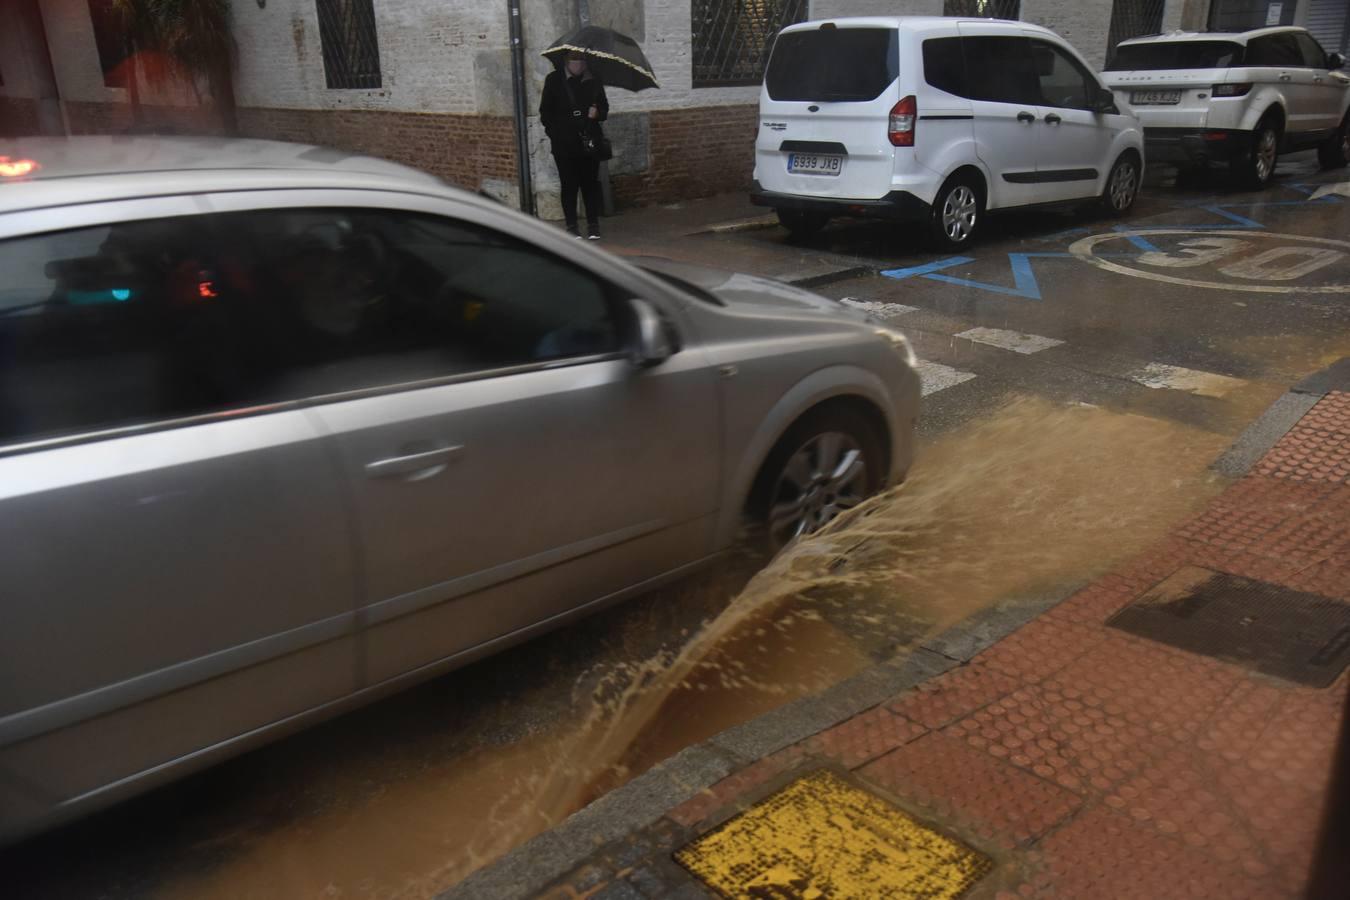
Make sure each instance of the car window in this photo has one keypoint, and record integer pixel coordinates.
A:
(1000, 69)
(1311, 51)
(1063, 81)
(944, 66)
(1159, 55)
(833, 64)
(146, 321)
(1280, 50)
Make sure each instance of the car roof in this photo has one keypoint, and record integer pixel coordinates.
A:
(94, 168)
(914, 23)
(1238, 37)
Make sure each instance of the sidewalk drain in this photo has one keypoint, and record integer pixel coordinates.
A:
(1304, 638)
(821, 837)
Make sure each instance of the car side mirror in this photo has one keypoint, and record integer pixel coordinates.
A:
(653, 338)
(1335, 60)
(1104, 101)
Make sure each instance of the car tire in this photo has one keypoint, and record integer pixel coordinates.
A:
(1254, 168)
(1335, 153)
(957, 214)
(827, 463)
(1122, 184)
(802, 224)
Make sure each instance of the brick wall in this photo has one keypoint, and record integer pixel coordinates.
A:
(463, 150)
(18, 116)
(117, 118)
(694, 153)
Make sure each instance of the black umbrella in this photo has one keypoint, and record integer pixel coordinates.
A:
(616, 59)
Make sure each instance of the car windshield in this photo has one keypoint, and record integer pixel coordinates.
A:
(1176, 55)
(833, 64)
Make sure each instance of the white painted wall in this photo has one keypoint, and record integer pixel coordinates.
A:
(428, 50)
(70, 34)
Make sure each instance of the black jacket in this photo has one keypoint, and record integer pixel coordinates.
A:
(555, 111)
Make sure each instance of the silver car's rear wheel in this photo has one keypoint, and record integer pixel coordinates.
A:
(827, 465)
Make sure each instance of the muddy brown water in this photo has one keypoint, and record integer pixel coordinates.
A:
(1035, 496)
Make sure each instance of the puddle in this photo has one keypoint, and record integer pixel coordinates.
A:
(1034, 496)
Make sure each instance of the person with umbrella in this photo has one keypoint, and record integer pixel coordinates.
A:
(571, 109)
(574, 104)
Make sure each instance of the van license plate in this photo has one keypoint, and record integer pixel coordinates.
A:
(815, 163)
(1156, 98)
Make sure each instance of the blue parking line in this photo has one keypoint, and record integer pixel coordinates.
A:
(928, 267)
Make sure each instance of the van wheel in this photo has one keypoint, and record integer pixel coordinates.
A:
(957, 213)
(1335, 153)
(1255, 167)
(1122, 185)
(800, 223)
(826, 464)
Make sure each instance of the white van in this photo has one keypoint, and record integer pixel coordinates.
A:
(935, 120)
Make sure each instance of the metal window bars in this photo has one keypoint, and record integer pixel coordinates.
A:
(351, 49)
(1132, 18)
(731, 38)
(983, 9)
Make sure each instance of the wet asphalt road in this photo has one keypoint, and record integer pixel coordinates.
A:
(1216, 303)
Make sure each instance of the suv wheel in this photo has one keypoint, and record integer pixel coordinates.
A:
(800, 223)
(1255, 168)
(828, 463)
(957, 213)
(1335, 153)
(1122, 185)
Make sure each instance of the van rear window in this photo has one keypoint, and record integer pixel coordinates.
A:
(1175, 55)
(833, 64)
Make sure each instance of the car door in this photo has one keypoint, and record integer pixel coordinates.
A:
(507, 461)
(1004, 96)
(1075, 141)
(176, 563)
(1277, 60)
(1326, 89)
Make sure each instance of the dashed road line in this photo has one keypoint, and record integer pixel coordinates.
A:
(1191, 381)
(877, 308)
(1015, 341)
(936, 377)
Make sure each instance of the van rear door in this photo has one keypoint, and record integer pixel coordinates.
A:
(824, 112)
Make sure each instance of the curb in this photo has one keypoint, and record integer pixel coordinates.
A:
(534, 865)
(736, 226)
(1282, 415)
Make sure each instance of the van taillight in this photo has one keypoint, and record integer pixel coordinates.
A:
(904, 116)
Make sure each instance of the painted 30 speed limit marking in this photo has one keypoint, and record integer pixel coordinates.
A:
(1249, 261)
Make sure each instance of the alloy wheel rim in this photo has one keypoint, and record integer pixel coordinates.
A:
(1123, 186)
(1265, 154)
(825, 477)
(958, 213)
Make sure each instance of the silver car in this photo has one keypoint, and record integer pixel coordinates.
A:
(284, 429)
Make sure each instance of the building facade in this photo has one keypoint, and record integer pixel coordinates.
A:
(429, 82)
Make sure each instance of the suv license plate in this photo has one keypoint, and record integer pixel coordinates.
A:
(815, 163)
(1155, 97)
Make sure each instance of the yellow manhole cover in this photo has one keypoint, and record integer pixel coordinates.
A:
(820, 837)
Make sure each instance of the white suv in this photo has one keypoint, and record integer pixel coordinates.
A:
(1235, 98)
(935, 120)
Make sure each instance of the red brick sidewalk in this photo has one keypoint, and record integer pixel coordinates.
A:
(1092, 763)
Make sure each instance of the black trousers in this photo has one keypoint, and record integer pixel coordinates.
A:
(579, 173)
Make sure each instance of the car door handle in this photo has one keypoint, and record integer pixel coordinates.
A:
(1052, 119)
(1025, 116)
(425, 464)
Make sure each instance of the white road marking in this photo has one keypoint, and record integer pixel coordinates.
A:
(1342, 188)
(1015, 341)
(878, 308)
(1192, 381)
(936, 377)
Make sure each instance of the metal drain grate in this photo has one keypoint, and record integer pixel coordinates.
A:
(822, 837)
(1304, 638)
